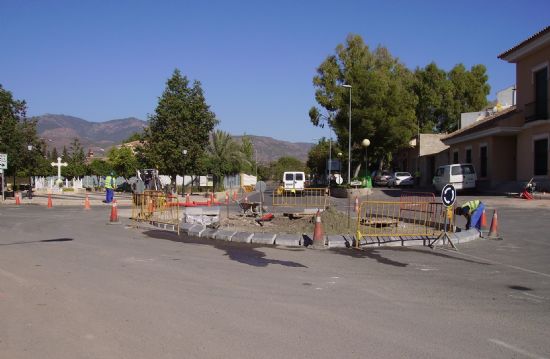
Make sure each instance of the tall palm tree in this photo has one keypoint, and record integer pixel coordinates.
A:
(225, 156)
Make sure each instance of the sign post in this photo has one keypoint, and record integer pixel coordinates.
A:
(448, 197)
(3, 166)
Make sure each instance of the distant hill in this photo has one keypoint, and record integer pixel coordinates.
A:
(60, 130)
(269, 149)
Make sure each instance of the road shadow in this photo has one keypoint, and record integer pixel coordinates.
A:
(240, 252)
(40, 241)
(372, 253)
(376, 254)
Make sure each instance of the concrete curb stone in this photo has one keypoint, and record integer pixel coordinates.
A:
(242, 237)
(288, 240)
(337, 241)
(185, 227)
(224, 235)
(196, 230)
(263, 238)
(209, 233)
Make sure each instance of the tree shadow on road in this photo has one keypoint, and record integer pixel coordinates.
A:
(372, 253)
(241, 252)
(376, 253)
(39, 241)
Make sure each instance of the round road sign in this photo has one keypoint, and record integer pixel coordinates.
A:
(260, 186)
(448, 195)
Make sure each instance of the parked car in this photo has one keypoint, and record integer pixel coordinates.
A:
(401, 179)
(380, 178)
(294, 181)
(461, 176)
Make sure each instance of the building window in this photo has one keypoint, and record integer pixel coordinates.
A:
(541, 94)
(468, 155)
(483, 161)
(455, 157)
(541, 157)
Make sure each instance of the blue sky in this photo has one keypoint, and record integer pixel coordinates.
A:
(102, 60)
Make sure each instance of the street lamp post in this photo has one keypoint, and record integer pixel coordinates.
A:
(184, 153)
(366, 143)
(329, 160)
(349, 134)
(29, 192)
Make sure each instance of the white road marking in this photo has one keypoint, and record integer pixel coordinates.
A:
(17, 279)
(334, 277)
(516, 349)
(535, 296)
(427, 269)
(498, 263)
(532, 300)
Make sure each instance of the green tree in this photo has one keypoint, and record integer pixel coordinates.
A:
(470, 90)
(247, 149)
(383, 103)
(54, 154)
(286, 163)
(65, 154)
(318, 156)
(99, 168)
(76, 161)
(182, 121)
(123, 161)
(136, 136)
(12, 115)
(224, 157)
(435, 93)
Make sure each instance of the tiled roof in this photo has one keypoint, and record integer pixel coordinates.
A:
(525, 42)
(486, 120)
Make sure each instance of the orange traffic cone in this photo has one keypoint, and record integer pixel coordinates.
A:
(483, 224)
(17, 199)
(493, 232)
(318, 235)
(226, 198)
(114, 213)
(87, 202)
(50, 204)
(525, 194)
(356, 208)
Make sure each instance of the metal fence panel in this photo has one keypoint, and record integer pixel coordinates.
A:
(403, 219)
(156, 206)
(308, 198)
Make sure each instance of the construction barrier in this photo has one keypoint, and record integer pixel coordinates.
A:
(411, 200)
(156, 207)
(382, 221)
(307, 198)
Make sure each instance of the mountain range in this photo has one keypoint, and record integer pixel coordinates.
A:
(99, 137)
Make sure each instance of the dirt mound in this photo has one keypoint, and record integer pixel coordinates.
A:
(334, 222)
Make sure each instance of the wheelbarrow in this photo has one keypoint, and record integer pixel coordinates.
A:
(249, 207)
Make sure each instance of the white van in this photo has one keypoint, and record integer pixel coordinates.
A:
(461, 176)
(294, 181)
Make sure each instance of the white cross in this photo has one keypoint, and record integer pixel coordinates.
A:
(59, 164)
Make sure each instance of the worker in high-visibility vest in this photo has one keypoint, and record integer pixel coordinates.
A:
(472, 210)
(109, 188)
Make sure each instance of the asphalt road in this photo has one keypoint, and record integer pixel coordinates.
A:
(72, 286)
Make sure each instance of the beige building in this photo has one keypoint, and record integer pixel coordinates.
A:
(512, 145)
(428, 152)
